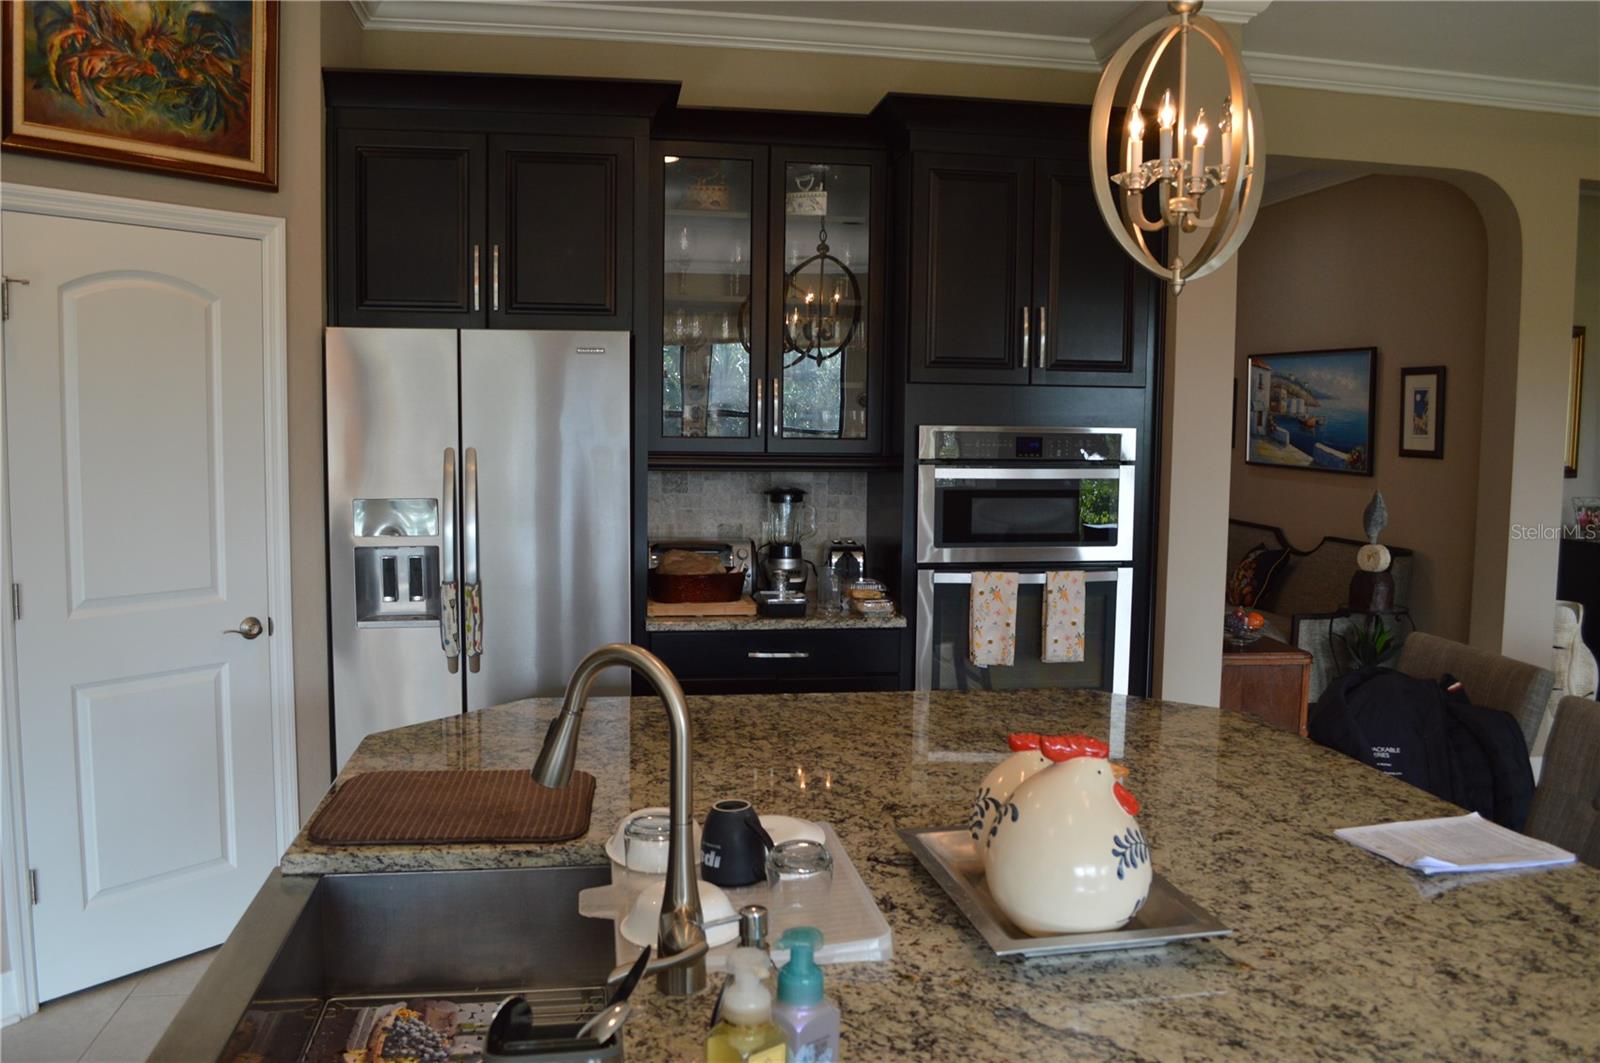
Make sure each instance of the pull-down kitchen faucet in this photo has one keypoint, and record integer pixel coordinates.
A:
(680, 966)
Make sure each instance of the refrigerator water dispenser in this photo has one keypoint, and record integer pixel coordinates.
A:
(398, 580)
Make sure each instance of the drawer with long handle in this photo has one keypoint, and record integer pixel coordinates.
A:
(779, 654)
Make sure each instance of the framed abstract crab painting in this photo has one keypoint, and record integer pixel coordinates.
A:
(176, 87)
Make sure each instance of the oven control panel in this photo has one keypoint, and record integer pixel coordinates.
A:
(944, 444)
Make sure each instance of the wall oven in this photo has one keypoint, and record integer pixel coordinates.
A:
(1023, 495)
(1029, 501)
(943, 599)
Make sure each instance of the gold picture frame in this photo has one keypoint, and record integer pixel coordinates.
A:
(1574, 402)
(184, 87)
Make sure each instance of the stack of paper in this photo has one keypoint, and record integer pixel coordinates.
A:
(1454, 843)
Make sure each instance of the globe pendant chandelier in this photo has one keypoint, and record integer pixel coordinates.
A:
(1189, 196)
(818, 320)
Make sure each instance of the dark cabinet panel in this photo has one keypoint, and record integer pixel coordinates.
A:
(772, 661)
(970, 268)
(1092, 302)
(561, 232)
(409, 229)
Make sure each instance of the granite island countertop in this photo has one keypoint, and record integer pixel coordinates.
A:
(1336, 953)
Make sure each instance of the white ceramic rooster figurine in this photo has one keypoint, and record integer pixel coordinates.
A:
(1067, 855)
(994, 794)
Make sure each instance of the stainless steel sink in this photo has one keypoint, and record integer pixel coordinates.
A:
(306, 941)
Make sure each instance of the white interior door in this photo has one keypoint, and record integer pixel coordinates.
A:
(136, 433)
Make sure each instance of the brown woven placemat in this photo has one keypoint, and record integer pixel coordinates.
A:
(394, 807)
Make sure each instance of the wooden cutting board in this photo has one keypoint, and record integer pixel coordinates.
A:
(745, 606)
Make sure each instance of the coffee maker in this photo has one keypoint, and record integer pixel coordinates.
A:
(788, 522)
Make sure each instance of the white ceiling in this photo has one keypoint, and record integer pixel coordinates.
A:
(1529, 54)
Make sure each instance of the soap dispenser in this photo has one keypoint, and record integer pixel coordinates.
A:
(809, 1020)
(746, 1033)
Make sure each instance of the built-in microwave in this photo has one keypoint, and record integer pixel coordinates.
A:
(1020, 495)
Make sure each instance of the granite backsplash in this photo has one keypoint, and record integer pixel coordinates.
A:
(729, 505)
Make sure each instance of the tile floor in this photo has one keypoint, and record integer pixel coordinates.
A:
(118, 1022)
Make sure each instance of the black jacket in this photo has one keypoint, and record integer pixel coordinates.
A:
(1432, 737)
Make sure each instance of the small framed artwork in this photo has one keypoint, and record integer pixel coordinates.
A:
(1422, 411)
(179, 87)
(1574, 402)
(1312, 410)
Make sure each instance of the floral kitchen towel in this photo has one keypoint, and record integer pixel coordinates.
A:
(1063, 617)
(993, 619)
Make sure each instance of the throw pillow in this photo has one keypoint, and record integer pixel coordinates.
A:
(1253, 578)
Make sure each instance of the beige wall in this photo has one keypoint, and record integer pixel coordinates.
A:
(1396, 263)
(299, 200)
(1586, 312)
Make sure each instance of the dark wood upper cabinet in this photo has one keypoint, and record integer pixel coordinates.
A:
(409, 220)
(970, 294)
(1093, 304)
(1010, 275)
(560, 232)
(473, 201)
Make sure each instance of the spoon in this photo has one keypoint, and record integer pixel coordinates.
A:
(605, 1024)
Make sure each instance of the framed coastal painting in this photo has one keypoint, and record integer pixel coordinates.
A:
(1422, 411)
(187, 88)
(1313, 410)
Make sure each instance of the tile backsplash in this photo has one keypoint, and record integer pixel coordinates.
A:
(729, 505)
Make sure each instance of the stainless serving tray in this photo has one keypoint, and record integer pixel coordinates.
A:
(951, 857)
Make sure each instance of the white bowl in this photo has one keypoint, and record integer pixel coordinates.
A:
(788, 828)
(656, 862)
(641, 927)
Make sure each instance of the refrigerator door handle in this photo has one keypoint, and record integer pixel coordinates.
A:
(449, 626)
(471, 590)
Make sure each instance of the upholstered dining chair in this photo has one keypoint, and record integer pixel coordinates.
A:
(1492, 681)
(1566, 805)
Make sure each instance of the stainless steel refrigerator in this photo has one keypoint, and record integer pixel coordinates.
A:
(478, 486)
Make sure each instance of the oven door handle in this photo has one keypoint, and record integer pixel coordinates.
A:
(1026, 472)
(1030, 579)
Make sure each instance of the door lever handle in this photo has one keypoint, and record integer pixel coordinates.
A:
(249, 627)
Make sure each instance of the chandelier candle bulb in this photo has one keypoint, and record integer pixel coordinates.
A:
(1135, 142)
(1201, 131)
(1166, 117)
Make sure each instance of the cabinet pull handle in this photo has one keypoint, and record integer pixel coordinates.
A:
(784, 655)
(1026, 319)
(494, 278)
(777, 408)
(1042, 334)
(761, 404)
(477, 282)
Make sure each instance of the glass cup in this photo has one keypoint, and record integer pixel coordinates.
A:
(645, 843)
(831, 587)
(799, 875)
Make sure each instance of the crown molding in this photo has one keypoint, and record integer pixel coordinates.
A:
(662, 24)
(784, 33)
(1374, 79)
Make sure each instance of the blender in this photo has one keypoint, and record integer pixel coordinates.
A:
(787, 523)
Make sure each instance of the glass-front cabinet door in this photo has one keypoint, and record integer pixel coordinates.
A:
(713, 299)
(827, 291)
(771, 300)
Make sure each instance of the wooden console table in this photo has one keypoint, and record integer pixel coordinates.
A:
(1268, 680)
